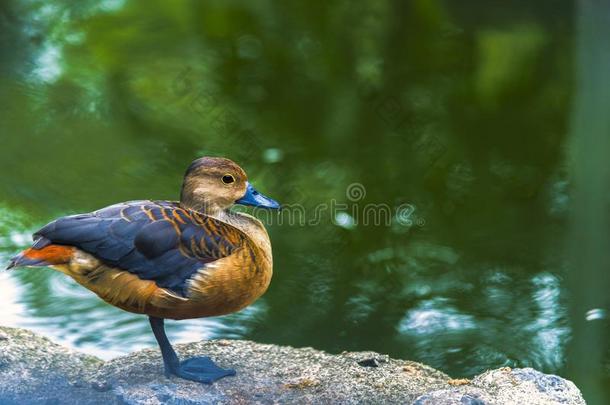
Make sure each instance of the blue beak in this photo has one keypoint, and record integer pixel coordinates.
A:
(256, 199)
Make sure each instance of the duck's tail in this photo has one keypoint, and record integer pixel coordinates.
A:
(42, 253)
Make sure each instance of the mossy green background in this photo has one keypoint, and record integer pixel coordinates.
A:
(460, 109)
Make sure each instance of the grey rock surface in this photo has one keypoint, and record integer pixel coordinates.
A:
(34, 370)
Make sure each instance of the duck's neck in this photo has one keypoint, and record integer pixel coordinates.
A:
(248, 225)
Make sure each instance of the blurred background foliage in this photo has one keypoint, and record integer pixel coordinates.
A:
(461, 110)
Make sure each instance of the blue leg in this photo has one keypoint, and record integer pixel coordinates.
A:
(201, 369)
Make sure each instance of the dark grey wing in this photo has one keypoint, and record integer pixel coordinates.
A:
(156, 241)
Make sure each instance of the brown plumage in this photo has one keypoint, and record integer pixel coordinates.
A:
(188, 259)
(220, 287)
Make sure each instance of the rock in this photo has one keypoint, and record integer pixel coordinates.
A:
(33, 370)
(508, 386)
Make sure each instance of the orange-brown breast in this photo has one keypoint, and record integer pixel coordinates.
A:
(230, 284)
(221, 287)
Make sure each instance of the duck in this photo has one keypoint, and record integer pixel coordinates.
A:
(184, 259)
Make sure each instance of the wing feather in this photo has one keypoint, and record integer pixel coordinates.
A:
(157, 241)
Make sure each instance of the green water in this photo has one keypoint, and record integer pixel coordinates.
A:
(421, 146)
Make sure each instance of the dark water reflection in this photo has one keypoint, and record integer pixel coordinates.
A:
(459, 112)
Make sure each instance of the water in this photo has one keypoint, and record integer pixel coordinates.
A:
(421, 149)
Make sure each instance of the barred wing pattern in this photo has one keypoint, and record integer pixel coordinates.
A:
(154, 240)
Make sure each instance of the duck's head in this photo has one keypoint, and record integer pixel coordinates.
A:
(212, 184)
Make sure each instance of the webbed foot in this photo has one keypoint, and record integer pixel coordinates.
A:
(202, 369)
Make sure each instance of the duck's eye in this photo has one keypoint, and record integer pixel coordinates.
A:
(228, 179)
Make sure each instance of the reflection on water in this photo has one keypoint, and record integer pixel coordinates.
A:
(11, 311)
(455, 111)
(434, 317)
